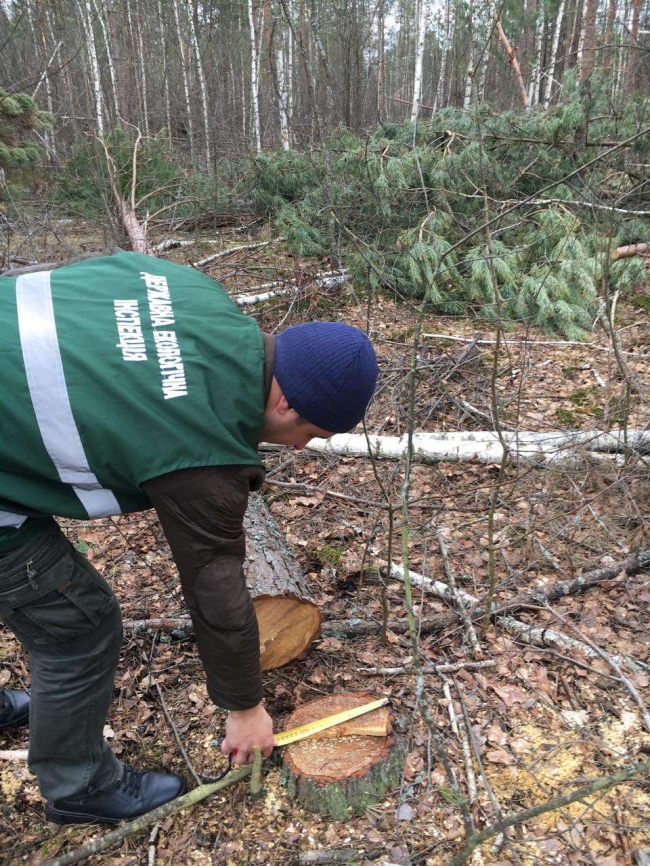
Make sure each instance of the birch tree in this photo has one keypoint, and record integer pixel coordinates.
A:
(550, 72)
(419, 55)
(194, 41)
(255, 89)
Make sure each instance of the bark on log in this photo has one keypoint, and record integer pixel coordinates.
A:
(288, 619)
(340, 773)
(631, 250)
(484, 445)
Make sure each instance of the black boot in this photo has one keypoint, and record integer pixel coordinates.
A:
(137, 793)
(14, 708)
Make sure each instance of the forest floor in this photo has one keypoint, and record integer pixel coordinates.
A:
(543, 721)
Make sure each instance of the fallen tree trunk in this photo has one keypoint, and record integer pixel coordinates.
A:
(484, 445)
(287, 617)
(630, 250)
(340, 772)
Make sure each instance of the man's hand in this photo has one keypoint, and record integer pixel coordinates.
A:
(246, 729)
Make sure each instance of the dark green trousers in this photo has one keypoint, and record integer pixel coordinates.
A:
(68, 619)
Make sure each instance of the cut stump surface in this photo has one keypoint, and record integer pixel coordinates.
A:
(342, 770)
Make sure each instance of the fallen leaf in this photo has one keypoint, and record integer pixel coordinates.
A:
(510, 694)
(499, 756)
(404, 813)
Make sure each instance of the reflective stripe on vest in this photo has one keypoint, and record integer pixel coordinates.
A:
(14, 521)
(49, 394)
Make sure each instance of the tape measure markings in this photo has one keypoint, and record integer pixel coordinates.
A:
(283, 738)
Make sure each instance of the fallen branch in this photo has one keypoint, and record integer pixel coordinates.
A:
(535, 635)
(430, 669)
(13, 755)
(632, 565)
(172, 243)
(484, 445)
(182, 625)
(264, 292)
(454, 339)
(598, 785)
(231, 250)
(153, 817)
(542, 636)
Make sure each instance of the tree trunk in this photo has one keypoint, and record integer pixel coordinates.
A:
(194, 39)
(512, 60)
(143, 68)
(165, 70)
(186, 84)
(548, 80)
(340, 772)
(469, 76)
(634, 36)
(287, 618)
(255, 88)
(91, 47)
(419, 56)
(381, 64)
(533, 87)
(439, 101)
(99, 10)
(589, 41)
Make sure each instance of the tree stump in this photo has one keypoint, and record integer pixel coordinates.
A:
(287, 617)
(343, 770)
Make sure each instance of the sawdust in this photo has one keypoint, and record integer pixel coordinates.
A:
(551, 763)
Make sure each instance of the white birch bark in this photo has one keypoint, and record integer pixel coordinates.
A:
(486, 447)
(45, 78)
(143, 68)
(419, 56)
(91, 48)
(533, 86)
(283, 96)
(550, 73)
(182, 48)
(109, 57)
(165, 71)
(467, 99)
(581, 41)
(194, 40)
(255, 89)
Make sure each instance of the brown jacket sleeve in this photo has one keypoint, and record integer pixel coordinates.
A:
(202, 512)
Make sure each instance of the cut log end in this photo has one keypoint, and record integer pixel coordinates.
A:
(343, 770)
(287, 627)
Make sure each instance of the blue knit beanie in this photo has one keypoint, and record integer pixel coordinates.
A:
(327, 372)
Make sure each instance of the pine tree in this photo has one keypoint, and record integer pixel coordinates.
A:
(19, 116)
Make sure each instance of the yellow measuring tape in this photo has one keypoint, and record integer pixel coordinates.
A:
(283, 738)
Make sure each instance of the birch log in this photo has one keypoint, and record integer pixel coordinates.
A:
(485, 447)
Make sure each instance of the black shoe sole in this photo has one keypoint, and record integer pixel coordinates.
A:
(57, 817)
(65, 816)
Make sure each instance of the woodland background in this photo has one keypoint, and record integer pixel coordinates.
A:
(468, 182)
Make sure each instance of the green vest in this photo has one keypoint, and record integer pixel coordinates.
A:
(115, 370)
